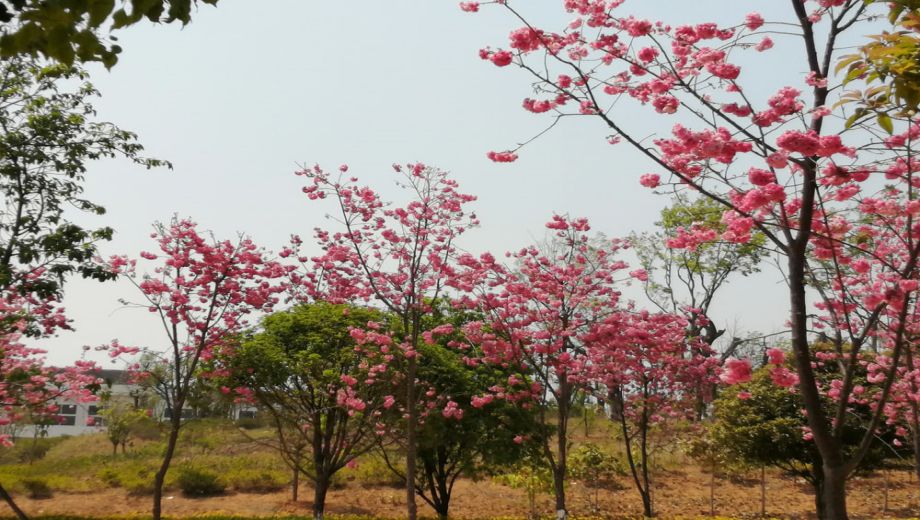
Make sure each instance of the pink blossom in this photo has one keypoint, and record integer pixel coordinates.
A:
(501, 58)
(776, 356)
(736, 371)
(753, 21)
(502, 156)
(650, 180)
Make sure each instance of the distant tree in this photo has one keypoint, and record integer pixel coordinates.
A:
(538, 313)
(404, 257)
(686, 280)
(69, 31)
(119, 419)
(650, 372)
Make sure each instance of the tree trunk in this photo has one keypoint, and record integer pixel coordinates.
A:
(319, 496)
(9, 501)
(562, 446)
(763, 491)
(833, 494)
(441, 488)
(559, 491)
(820, 509)
(160, 477)
(295, 485)
(647, 504)
(411, 507)
(834, 497)
(442, 510)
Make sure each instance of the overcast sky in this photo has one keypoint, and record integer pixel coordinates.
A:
(249, 91)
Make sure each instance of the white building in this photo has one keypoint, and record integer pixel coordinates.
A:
(81, 418)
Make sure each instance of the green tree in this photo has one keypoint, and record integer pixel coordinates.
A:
(49, 135)
(681, 278)
(594, 466)
(761, 423)
(70, 30)
(486, 438)
(119, 419)
(297, 368)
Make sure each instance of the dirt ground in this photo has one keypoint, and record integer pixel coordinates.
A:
(676, 493)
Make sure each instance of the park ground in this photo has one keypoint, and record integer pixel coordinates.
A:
(84, 479)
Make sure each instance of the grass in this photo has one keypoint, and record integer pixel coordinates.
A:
(85, 463)
(243, 462)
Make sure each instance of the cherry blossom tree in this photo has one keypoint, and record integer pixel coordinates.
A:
(202, 291)
(29, 388)
(794, 167)
(650, 377)
(686, 279)
(538, 314)
(402, 257)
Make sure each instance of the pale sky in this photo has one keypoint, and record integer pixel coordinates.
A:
(244, 94)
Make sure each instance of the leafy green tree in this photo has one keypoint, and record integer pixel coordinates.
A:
(889, 67)
(119, 419)
(303, 369)
(70, 30)
(679, 278)
(761, 423)
(477, 441)
(49, 136)
(594, 466)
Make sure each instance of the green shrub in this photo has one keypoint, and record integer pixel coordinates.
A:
(110, 476)
(146, 429)
(136, 479)
(36, 488)
(256, 480)
(250, 423)
(199, 482)
(31, 451)
(370, 471)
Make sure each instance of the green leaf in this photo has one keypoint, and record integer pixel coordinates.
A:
(99, 11)
(884, 121)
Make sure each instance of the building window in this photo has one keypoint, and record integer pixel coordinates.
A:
(67, 415)
(92, 416)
